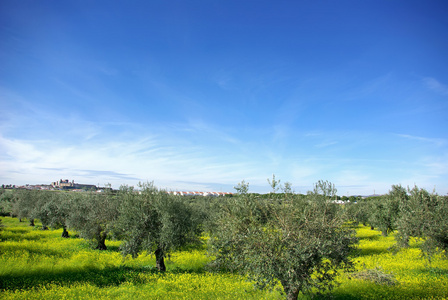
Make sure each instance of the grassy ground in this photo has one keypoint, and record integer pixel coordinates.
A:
(394, 273)
(36, 264)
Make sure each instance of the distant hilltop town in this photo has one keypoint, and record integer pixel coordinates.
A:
(69, 185)
(57, 185)
(65, 184)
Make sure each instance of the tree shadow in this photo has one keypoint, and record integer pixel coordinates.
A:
(342, 296)
(371, 237)
(370, 251)
(101, 278)
(19, 234)
(112, 248)
(433, 271)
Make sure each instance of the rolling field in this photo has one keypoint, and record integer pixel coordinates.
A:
(36, 264)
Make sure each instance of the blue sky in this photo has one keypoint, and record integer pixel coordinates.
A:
(200, 95)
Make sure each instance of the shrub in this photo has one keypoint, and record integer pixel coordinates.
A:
(376, 275)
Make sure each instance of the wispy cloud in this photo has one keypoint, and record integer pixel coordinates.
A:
(101, 173)
(14, 149)
(436, 85)
(372, 86)
(53, 169)
(196, 154)
(119, 158)
(435, 141)
(326, 144)
(175, 164)
(437, 165)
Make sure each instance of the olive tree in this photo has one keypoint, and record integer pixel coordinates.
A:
(386, 210)
(41, 210)
(93, 215)
(54, 210)
(242, 188)
(302, 245)
(287, 188)
(424, 216)
(275, 184)
(6, 202)
(155, 221)
(323, 190)
(359, 212)
(23, 205)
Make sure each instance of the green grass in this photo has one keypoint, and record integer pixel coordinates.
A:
(415, 277)
(36, 264)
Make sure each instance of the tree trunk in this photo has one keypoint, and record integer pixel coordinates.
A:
(384, 232)
(102, 241)
(372, 228)
(44, 227)
(160, 261)
(64, 232)
(31, 222)
(292, 293)
(404, 241)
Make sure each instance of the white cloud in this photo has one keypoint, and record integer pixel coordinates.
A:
(435, 141)
(436, 85)
(326, 144)
(178, 165)
(17, 150)
(302, 172)
(195, 155)
(119, 160)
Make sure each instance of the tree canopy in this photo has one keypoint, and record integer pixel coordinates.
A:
(302, 244)
(155, 221)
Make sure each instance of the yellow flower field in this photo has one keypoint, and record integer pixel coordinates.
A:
(415, 277)
(37, 264)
